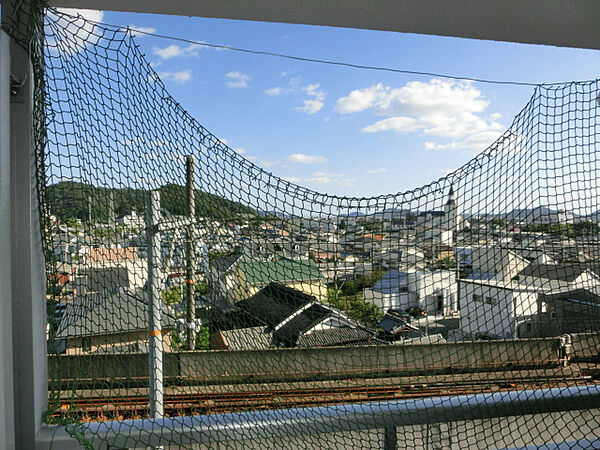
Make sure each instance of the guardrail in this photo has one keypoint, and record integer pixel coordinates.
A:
(211, 429)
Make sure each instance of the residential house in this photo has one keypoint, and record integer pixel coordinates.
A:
(495, 263)
(102, 275)
(433, 291)
(540, 300)
(494, 309)
(222, 276)
(133, 220)
(303, 276)
(290, 314)
(110, 322)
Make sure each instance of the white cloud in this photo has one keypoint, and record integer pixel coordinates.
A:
(443, 108)
(140, 31)
(415, 98)
(313, 104)
(359, 100)
(78, 33)
(175, 50)
(398, 124)
(331, 178)
(292, 179)
(239, 150)
(237, 79)
(306, 159)
(264, 163)
(478, 141)
(274, 91)
(380, 170)
(178, 77)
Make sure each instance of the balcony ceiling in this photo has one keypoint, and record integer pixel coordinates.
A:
(566, 23)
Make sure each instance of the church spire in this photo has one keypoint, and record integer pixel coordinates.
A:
(451, 200)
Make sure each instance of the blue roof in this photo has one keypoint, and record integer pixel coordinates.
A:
(391, 281)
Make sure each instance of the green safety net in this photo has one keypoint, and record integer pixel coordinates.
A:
(240, 293)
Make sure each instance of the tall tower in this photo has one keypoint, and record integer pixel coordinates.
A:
(451, 219)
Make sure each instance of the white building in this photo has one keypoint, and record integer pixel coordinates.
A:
(535, 301)
(433, 291)
(133, 220)
(494, 309)
(99, 276)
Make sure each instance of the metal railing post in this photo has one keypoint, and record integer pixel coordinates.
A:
(155, 351)
(190, 271)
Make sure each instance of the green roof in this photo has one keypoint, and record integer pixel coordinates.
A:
(283, 270)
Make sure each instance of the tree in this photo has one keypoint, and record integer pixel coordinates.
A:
(171, 296)
(354, 306)
(446, 263)
(203, 339)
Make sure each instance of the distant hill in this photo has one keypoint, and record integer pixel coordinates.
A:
(70, 199)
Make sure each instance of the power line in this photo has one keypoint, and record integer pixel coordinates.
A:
(316, 60)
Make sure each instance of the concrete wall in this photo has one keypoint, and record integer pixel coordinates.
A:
(585, 345)
(254, 365)
(314, 363)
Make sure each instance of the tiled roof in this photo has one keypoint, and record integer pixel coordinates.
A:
(564, 272)
(106, 313)
(300, 324)
(334, 336)
(274, 303)
(283, 270)
(248, 338)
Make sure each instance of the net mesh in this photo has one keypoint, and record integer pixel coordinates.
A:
(265, 295)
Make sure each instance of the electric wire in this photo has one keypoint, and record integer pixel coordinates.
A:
(133, 32)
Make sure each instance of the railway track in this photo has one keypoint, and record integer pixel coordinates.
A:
(134, 405)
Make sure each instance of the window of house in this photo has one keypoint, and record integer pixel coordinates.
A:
(491, 300)
(86, 344)
(477, 298)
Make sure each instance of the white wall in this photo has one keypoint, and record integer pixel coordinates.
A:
(429, 285)
(478, 317)
(384, 301)
(496, 260)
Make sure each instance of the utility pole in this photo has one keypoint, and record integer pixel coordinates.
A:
(111, 208)
(190, 273)
(155, 353)
(90, 209)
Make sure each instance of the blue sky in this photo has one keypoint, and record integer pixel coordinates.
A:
(341, 130)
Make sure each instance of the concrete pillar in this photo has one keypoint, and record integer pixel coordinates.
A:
(7, 429)
(27, 259)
